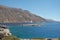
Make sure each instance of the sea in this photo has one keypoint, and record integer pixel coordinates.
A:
(46, 30)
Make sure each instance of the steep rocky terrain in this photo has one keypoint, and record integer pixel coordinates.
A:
(8, 14)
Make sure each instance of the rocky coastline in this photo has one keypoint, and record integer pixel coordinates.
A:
(5, 34)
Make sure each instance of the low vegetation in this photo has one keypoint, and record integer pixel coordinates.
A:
(9, 38)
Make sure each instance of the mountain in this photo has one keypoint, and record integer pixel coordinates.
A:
(9, 14)
(51, 20)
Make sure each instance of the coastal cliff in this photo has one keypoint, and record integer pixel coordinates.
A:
(9, 14)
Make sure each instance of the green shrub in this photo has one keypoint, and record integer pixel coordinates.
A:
(59, 38)
(10, 38)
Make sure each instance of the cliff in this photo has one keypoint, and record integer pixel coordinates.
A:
(8, 14)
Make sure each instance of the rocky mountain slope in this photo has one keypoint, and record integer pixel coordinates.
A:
(8, 14)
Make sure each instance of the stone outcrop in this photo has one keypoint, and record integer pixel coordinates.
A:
(4, 30)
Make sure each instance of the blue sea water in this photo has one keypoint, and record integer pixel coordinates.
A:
(47, 30)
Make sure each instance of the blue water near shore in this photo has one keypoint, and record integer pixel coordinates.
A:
(47, 30)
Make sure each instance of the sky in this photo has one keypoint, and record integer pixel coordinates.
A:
(48, 9)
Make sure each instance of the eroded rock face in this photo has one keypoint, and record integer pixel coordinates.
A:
(8, 14)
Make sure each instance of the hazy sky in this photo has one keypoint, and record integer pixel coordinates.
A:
(49, 9)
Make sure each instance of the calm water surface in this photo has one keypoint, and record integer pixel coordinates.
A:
(47, 30)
